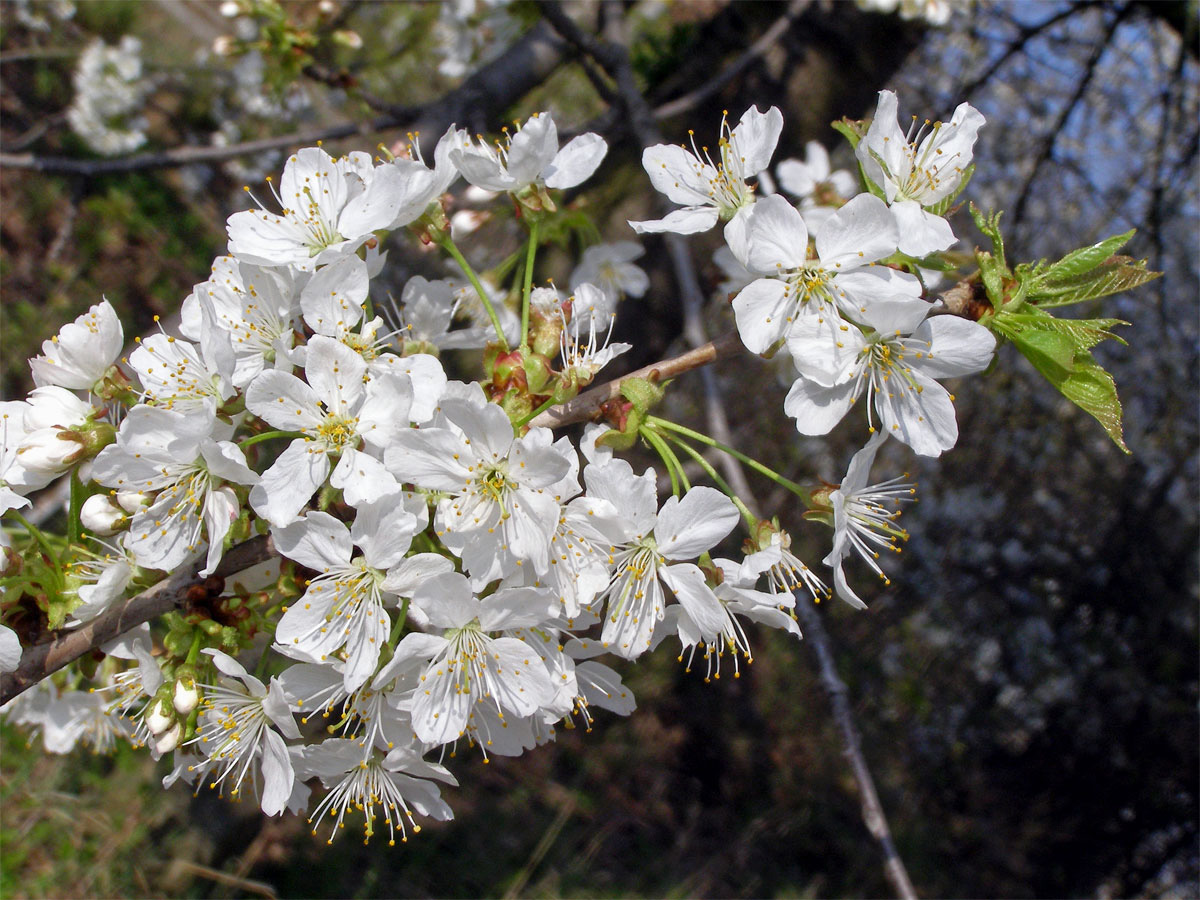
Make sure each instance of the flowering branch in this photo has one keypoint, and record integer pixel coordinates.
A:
(587, 405)
(42, 660)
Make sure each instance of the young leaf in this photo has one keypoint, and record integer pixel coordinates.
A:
(1083, 260)
(1093, 390)
(1117, 274)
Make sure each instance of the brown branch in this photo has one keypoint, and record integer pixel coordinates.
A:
(41, 660)
(585, 407)
(835, 688)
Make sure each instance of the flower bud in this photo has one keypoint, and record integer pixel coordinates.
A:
(101, 515)
(168, 741)
(348, 38)
(159, 719)
(187, 697)
(134, 501)
(50, 451)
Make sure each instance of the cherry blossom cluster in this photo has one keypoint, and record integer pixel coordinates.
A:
(449, 573)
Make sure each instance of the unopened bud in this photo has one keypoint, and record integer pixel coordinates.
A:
(133, 501)
(187, 697)
(101, 515)
(169, 740)
(159, 719)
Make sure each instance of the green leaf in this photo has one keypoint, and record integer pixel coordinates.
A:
(1083, 260)
(1117, 274)
(1084, 333)
(1051, 353)
(1058, 348)
(1093, 390)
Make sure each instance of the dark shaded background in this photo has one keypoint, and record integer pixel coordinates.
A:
(1026, 687)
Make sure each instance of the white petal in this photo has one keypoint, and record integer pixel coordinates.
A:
(332, 300)
(288, 485)
(754, 139)
(818, 409)
(763, 311)
(921, 232)
(689, 220)
(701, 604)
(10, 649)
(335, 373)
(532, 149)
(576, 161)
(688, 527)
(284, 401)
(777, 237)
(861, 232)
(278, 774)
(921, 417)
(679, 174)
(957, 347)
(318, 541)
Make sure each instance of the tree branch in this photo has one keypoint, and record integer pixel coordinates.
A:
(587, 405)
(42, 660)
(478, 99)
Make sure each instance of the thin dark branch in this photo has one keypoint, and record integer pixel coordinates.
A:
(483, 95)
(1024, 36)
(1090, 69)
(769, 38)
(872, 810)
(587, 405)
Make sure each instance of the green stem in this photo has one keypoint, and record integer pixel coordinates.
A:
(525, 420)
(800, 491)
(37, 535)
(74, 525)
(399, 626)
(261, 669)
(448, 245)
(530, 252)
(751, 519)
(194, 651)
(268, 436)
(674, 468)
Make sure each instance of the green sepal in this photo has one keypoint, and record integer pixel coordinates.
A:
(853, 130)
(642, 393)
(618, 440)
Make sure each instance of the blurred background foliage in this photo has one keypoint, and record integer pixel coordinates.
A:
(1027, 685)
